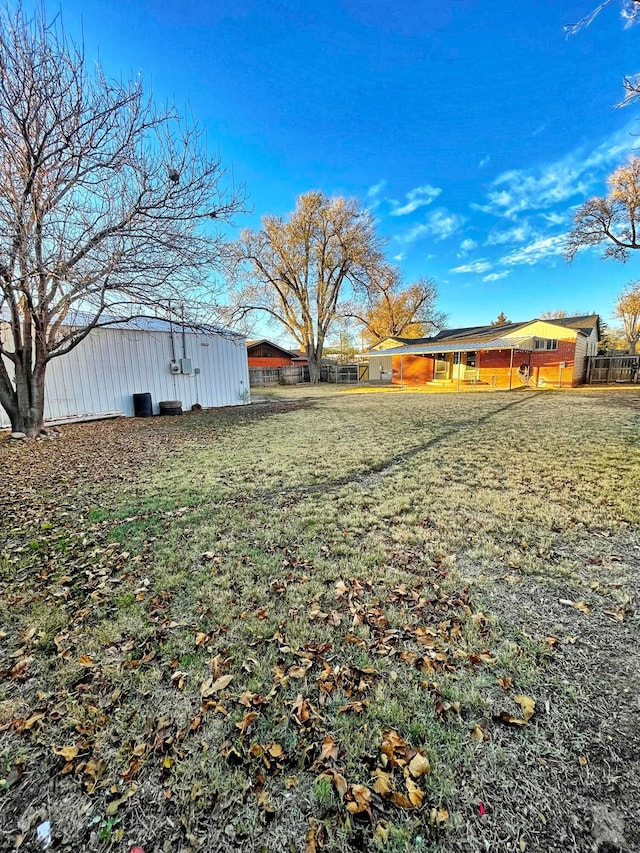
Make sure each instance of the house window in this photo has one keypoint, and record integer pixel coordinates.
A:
(545, 344)
(471, 359)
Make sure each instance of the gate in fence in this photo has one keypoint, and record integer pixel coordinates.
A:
(613, 369)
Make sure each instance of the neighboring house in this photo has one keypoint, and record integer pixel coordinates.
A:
(299, 358)
(264, 353)
(536, 352)
(101, 374)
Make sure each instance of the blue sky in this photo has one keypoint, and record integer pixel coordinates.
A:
(472, 128)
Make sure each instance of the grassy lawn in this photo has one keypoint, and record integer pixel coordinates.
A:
(332, 621)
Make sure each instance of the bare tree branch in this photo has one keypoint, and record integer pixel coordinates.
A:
(612, 220)
(106, 202)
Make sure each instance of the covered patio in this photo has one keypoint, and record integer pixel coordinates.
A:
(493, 362)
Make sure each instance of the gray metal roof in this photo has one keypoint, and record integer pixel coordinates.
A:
(473, 346)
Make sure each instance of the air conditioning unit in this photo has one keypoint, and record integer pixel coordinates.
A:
(174, 367)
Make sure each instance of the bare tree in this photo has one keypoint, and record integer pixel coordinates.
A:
(104, 200)
(558, 314)
(299, 271)
(628, 310)
(613, 220)
(394, 310)
(630, 12)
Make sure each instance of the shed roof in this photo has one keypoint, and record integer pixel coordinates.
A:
(284, 350)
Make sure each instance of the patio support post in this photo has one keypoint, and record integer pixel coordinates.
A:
(511, 370)
(459, 368)
(401, 363)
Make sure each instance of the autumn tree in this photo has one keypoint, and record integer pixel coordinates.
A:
(612, 220)
(501, 320)
(299, 271)
(395, 310)
(103, 201)
(627, 309)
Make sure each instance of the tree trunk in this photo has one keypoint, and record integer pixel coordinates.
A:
(314, 366)
(633, 343)
(25, 403)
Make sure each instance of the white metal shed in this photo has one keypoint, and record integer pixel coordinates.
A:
(114, 362)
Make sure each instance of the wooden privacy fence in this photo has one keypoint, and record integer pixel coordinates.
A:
(344, 373)
(260, 377)
(613, 369)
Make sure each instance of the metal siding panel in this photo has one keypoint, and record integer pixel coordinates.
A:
(103, 372)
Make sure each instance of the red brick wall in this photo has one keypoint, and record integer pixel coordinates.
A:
(416, 370)
(279, 361)
(494, 365)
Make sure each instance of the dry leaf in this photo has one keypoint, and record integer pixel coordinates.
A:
(329, 750)
(249, 718)
(438, 816)
(209, 686)
(67, 752)
(617, 614)
(419, 766)
(382, 784)
(509, 719)
(361, 799)
(416, 795)
(478, 734)
(582, 606)
(528, 706)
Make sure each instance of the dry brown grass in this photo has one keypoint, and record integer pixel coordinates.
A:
(359, 564)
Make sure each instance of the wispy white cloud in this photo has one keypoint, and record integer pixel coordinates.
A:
(439, 225)
(496, 276)
(415, 199)
(574, 175)
(375, 190)
(399, 257)
(478, 266)
(539, 249)
(444, 224)
(484, 161)
(467, 245)
(553, 218)
(517, 234)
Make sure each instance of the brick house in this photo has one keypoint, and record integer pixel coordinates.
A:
(536, 353)
(264, 353)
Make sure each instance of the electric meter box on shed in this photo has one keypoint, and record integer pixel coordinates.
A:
(174, 367)
(185, 365)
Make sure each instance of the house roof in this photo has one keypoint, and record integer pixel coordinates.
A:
(470, 338)
(288, 352)
(584, 323)
(433, 347)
